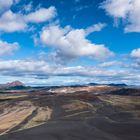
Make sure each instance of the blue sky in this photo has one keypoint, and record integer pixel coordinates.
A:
(61, 42)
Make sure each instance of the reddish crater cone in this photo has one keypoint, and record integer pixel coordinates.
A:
(12, 84)
(15, 83)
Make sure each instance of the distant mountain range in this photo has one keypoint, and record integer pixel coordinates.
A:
(19, 85)
(118, 85)
(112, 84)
(120, 89)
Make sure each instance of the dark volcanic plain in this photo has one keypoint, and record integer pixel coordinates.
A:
(70, 113)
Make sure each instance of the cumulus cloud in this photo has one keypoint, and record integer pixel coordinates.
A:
(135, 53)
(11, 22)
(127, 10)
(72, 43)
(6, 4)
(41, 15)
(8, 48)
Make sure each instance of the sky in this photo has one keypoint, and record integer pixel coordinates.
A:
(66, 42)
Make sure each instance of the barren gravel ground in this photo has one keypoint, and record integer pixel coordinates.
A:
(74, 116)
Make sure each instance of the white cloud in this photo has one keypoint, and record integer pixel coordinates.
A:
(95, 28)
(42, 68)
(41, 15)
(135, 53)
(110, 64)
(57, 75)
(6, 4)
(127, 10)
(8, 48)
(135, 65)
(72, 43)
(23, 66)
(12, 22)
(117, 8)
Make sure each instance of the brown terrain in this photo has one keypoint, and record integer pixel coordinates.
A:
(71, 113)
